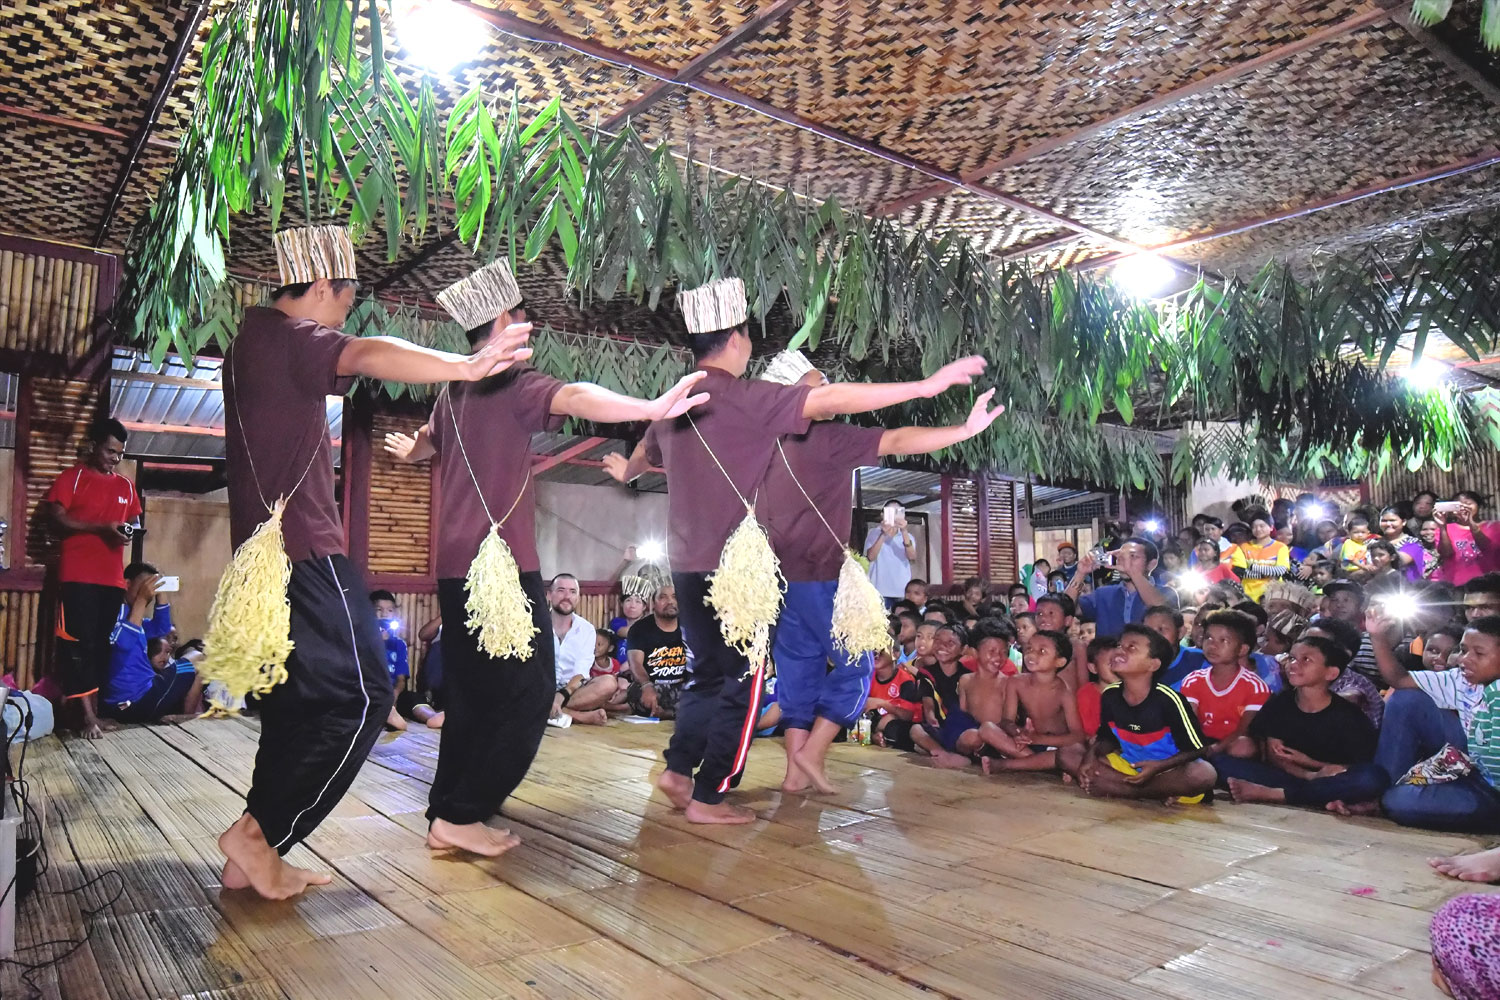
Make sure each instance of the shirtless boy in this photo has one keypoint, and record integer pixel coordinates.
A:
(981, 697)
(1041, 711)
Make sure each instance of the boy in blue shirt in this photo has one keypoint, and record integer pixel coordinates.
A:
(396, 661)
(145, 684)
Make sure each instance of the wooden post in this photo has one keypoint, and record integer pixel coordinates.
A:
(358, 423)
(947, 539)
(982, 516)
(15, 541)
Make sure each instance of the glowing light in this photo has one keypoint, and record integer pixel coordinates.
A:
(651, 551)
(1400, 606)
(1316, 511)
(438, 34)
(1193, 581)
(1426, 375)
(1152, 526)
(1143, 275)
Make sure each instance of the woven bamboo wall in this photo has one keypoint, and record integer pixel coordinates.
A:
(1480, 473)
(46, 304)
(400, 507)
(60, 416)
(20, 639)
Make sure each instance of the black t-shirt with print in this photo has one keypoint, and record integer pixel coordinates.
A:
(665, 653)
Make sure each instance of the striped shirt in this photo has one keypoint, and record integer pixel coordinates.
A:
(1449, 689)
(1484, 734)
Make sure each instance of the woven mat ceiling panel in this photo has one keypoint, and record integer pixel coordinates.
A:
(743, 142)
(1371, 107)
(963, 84)
(55, 181)
(85, 60)
(1391, 220)
(992, 226)
(669, 32)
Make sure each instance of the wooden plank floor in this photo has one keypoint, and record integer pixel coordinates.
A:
(912, 883)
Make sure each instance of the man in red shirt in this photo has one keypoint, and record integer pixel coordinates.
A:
(92, 507)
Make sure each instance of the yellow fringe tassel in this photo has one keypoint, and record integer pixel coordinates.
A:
(860, 621)
(499, 610)
(250, 624)
(746, 590)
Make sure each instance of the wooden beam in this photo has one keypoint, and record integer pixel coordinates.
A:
(529, 31)
(75, 125)
(1487, 158)
(541, 463)
(1449, 56)
(698, 65)
(176, 380)
(1162, 100)
(186, 34)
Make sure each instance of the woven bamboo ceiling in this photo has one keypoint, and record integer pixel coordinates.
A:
(1226, 131)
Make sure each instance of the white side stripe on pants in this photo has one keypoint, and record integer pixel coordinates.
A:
(359, 679)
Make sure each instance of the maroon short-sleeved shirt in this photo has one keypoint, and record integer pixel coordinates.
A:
(741, 422)
(824, 460)
(277, 374)
(496, 418)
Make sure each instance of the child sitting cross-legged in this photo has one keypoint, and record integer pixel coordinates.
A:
(1149, 744)
(893, 704)
(1224, 694)
(1315, 748)
(1041, 711)
(980, 695)
(938, 684)
(1100, 676)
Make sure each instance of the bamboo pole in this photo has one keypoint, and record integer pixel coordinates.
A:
(76, 323)
(28, 280)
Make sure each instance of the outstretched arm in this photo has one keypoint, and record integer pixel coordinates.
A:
(397, 360)
(411, 447)
(826, 401)
(587, 401)
(623, 469)
(922, 440)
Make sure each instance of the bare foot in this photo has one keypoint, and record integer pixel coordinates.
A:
(723, 812)
(256, 862)
(795, 782)
(92, 731)
(233, 877)
(1481, 867)
(436, 722)
(1248, 791)
(597, 717)
(678, 788)
(1354, 809)
(476, 838)
(813, 768)
(951, 761)
(984, 765)
(394, 721)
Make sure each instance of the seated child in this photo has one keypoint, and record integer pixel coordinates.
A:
(605, 664)
(894, 702)
(922, 658)
(1026, 627)
(1100, 676)
(945, 719)
(387, 615)
(1225, 695)
(1148, 745)
(1314, 747)
(1351, 684)
(1041, 711)
(904, 626)
(145, 684)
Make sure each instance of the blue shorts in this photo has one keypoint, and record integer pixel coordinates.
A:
(806, 687)
(955, 724)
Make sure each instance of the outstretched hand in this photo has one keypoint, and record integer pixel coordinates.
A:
(981, 416)
(399, 446)
(616, 465)
(676, 401)
(503, 349)
(961, 372)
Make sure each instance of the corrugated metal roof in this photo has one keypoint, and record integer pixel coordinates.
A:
(166, 396)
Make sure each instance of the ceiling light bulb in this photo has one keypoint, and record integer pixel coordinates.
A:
(438, 34)
(1143, 275)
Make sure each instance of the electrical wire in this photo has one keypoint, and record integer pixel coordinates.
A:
(36, 820)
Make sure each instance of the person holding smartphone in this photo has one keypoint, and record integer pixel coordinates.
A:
(891, 549)
(145, 683)
(94, 509)
(1467, 547)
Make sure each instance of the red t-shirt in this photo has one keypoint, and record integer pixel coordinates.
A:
(891, 691)
(90, 495)
(1219, 712)
(1088, 707)
(615, 667)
